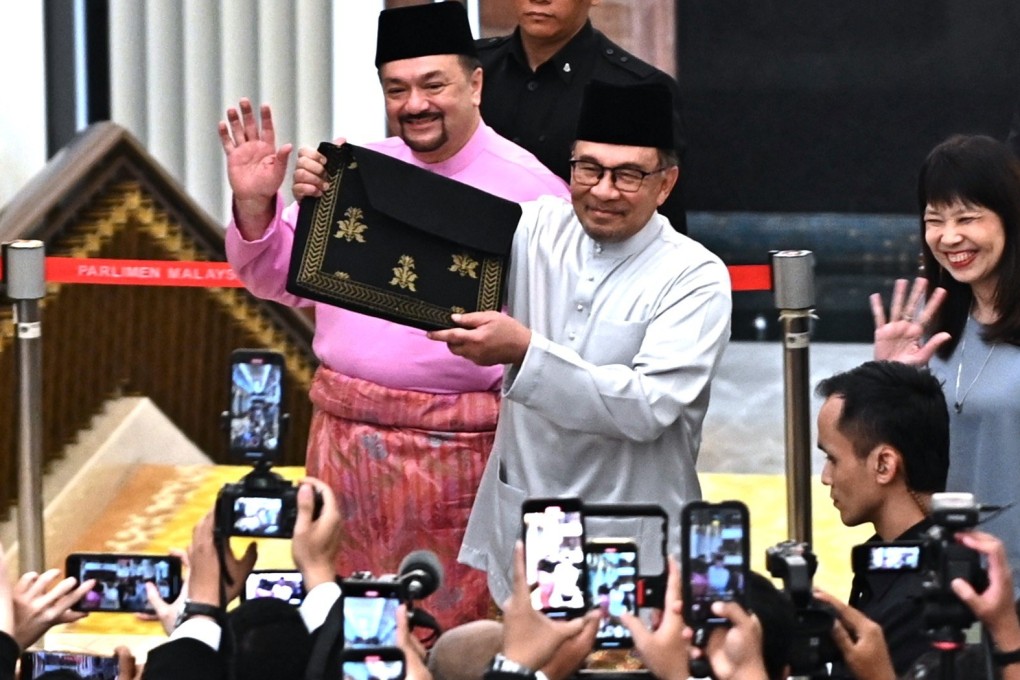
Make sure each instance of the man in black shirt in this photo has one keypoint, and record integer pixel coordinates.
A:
(535, 76)
(884, 430)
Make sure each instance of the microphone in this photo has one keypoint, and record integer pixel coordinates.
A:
(421, 573)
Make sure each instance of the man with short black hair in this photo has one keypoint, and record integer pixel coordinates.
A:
(884, 430)
(535, 77)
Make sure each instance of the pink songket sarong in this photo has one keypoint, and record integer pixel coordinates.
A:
(405, 467)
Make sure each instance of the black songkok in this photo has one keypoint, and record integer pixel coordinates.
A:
(629, 115)
(423, 30)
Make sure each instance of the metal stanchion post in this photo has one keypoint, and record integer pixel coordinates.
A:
(24, 274)
(794, 286)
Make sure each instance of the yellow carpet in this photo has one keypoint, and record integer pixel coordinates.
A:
(158, 507)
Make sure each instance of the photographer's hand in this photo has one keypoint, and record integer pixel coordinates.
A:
(316, 541)
(204, 580)
(994, 607)
(532, 639)
(860, 640)
(37, 607)
(166, 612)
(665, 649)
(414, 651)
(735, 651)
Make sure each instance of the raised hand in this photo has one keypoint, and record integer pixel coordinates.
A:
(256, 168)
(38, 607)
(316, 540)
(901, 336)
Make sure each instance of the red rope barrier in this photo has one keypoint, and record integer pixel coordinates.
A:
(108, 272)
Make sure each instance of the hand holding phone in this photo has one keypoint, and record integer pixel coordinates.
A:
(715, 540)
(121, 578)
(554, 556)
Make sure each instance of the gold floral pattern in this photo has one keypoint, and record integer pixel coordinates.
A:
(352, 228)
(465, 265)
(343, 276)
(403, 274)
(457, 310)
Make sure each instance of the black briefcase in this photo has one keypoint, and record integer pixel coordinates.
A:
(397, 242)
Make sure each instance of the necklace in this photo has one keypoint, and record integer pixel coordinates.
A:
(958, 402)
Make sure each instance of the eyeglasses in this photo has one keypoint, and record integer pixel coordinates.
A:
(625, 179)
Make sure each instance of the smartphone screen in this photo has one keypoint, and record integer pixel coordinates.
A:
(88, 666)
(554, 556)
(256, 395)
(612, 587)
(374, 664)
(120, 580)
(370, 613)
(286, 585)
(715, 558)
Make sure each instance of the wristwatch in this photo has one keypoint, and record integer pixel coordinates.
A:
(502, 664)
(198, 609)
(1001, 659)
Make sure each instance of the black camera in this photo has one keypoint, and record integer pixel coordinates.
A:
(944, 560)
(263, 504)
(940, 559)
(812, 646)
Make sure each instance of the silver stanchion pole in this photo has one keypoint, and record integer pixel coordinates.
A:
(794, 287)
(24, 273)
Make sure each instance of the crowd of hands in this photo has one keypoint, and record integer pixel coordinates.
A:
(36, 602)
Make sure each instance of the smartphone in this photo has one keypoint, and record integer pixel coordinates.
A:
(88, 666)
(715, 541)
(613, 588)
(886, 557)
(383, 663)
(256, 399)
(554, 562)
(287, 585)
(370, 612)
(120, 580)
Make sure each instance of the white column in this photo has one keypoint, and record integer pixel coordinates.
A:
(358, 111)
(239, 48)
(277, 65)
(314, 74)
(473, 18)
(164, 67)
(23, 84)
(127, 66)
(277, 72)
(201, 112)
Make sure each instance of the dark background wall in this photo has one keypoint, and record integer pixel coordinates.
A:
(831, 105)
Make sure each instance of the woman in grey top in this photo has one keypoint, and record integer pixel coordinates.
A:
(968, 330)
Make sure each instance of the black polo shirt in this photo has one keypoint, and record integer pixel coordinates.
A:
(539, 109)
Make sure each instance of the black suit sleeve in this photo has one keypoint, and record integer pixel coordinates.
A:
(9, 652)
